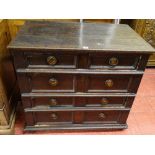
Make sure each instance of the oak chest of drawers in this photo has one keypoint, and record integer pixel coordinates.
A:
(76, 76)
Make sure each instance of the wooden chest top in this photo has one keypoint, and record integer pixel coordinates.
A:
(79, 36)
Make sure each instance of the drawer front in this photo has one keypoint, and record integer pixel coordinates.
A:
(113, 61)
(47, 82)
(29, 102)
(85, 117)
(102, 102)
(101, 116)
(44, 82)
(113, 83)
(44, 60)
(54, 60)
(52, 117)
(109, 101)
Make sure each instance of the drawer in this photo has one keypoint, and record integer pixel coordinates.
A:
(60, 82)
(46, 82)
(29, 102)
(44, 118)
(114, 61)
(86, 117)
(102, 116)
(65, 60)
(113, 83)
(105, 101)
(44, 60)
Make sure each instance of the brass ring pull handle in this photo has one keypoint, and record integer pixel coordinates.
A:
(53, 102)
(51, 60)
(54, 116)
(53, 82)
(109, 83)
(102, 115)
(104, 101)
(113, 61)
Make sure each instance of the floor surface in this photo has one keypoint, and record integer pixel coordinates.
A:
(141, 119)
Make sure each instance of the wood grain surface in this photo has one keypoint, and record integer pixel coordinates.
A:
(79, 36)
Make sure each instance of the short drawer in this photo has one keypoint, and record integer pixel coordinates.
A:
(46, 82)
(53, 117)
(43, 118)
(113, 83)
(108, 102)
(29, 102)
(45, 60)
(70, 102)
(114, 61)
(103, 116)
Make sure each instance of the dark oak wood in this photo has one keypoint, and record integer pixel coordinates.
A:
(79, 71)
(124, 61)
(78, 94)
(76, 76)
(38, 60)
(77, 127)
(79, 36)
(71, 102)
(77, 109)
(35, 83)
(66, 117)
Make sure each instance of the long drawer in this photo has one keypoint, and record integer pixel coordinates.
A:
(85, 117)
(58, 82)
(66, 60)
(70, 101)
